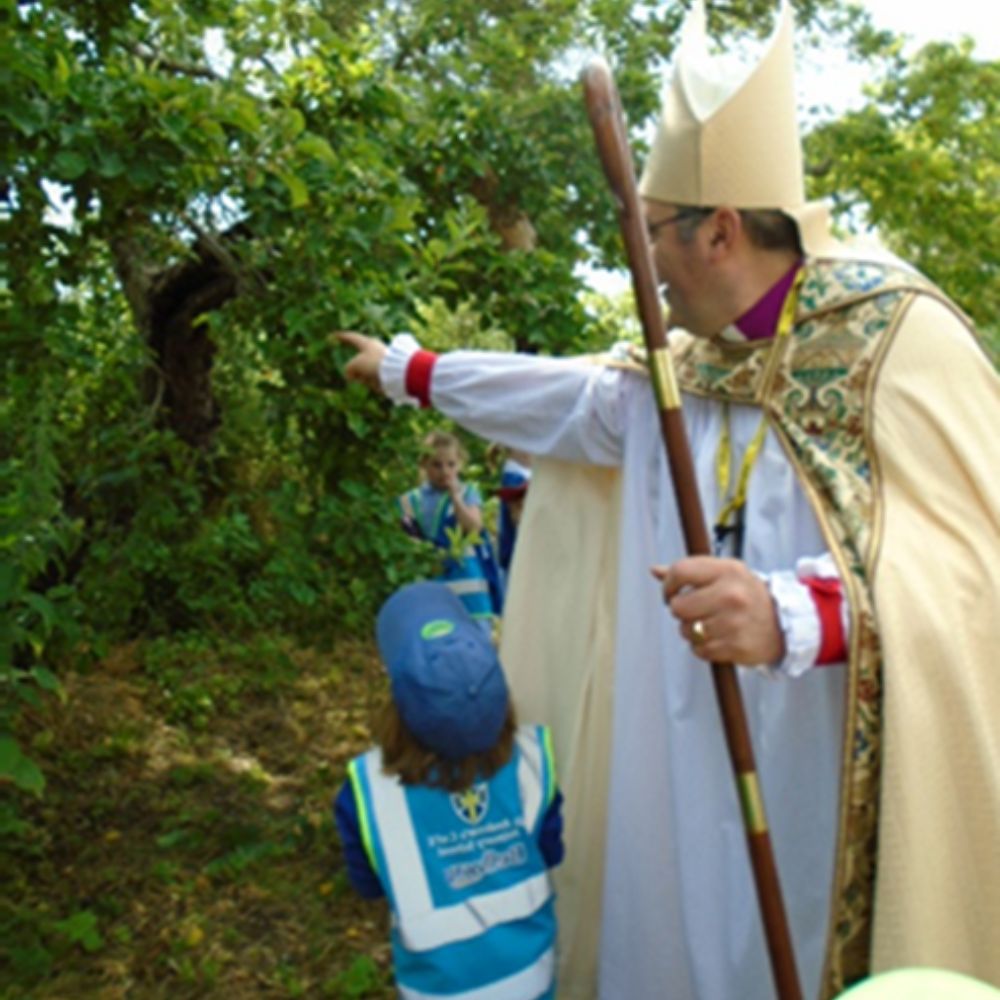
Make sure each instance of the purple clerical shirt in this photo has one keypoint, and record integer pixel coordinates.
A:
(760, 321)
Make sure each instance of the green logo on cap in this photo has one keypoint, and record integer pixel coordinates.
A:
(437, 628)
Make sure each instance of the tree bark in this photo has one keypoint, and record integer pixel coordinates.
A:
(169, 308)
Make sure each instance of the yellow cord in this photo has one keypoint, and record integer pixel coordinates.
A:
(723, 455)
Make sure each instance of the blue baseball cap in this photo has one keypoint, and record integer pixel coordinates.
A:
(446, 678)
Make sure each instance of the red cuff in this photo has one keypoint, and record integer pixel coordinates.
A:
(418, 376)
(827, 596)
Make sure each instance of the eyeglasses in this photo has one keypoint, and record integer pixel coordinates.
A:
(652, 228)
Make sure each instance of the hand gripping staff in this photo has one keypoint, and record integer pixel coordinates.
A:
(604, 111)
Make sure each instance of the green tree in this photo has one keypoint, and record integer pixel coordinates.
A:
(920, 163)
(196, 192)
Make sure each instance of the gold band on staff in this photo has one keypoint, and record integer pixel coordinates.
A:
(661, 369)
(752, 802)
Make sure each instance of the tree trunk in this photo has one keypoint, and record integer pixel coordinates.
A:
(169, 307)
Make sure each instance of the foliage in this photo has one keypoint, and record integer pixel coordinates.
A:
(361, 978)
(197, 193)
(920, 162)
(172, 860)
(194, 195)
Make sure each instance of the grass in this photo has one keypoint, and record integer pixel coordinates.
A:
(184, 845)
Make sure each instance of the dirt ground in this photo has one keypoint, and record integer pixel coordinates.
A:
(184, 846)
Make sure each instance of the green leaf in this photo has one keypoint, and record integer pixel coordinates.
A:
(29, 115)
(68, 165)
(109, 163)
(242, 114)
(81, 928)
(42, 607)
(297, 188)
(45, 679)
(144, 174)
(359, 979)
(291, 121)
(61, 70)
(14, 766)
(316, 146)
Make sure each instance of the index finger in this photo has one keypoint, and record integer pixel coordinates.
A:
(692, 571)
(359, 341)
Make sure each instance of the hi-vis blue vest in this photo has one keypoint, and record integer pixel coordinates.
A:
(471, 573)
(472, 904)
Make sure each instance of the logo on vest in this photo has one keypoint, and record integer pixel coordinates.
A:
(464, 874)
(471, 805)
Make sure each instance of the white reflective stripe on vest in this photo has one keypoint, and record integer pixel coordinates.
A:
(531, 776)
(468, 586)
(429, 927)
(530, 982)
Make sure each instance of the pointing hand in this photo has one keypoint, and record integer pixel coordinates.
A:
(364, 366)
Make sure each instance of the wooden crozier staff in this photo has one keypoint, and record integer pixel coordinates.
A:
(604, 111)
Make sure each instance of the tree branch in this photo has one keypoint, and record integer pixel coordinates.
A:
(154, 60)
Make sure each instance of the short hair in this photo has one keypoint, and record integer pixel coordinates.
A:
(414, 764)
(771, 229)
(767, 229)
(437, 439)
(690, 218)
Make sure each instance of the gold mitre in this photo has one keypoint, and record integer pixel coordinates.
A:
(731, 138)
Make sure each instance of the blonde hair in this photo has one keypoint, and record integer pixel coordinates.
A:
(414, 764)
(436, 440)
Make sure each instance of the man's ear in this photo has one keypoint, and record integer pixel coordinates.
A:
(725, 227)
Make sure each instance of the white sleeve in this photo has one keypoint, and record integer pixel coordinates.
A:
(392, 371)
(567, 408)
(797, 612)
(799, 622)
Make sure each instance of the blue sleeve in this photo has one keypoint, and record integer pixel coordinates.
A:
(359, 871)
(550, 839)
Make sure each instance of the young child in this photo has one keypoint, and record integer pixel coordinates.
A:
(448, 513)
(455, 815)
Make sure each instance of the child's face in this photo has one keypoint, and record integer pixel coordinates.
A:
(442, 468)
